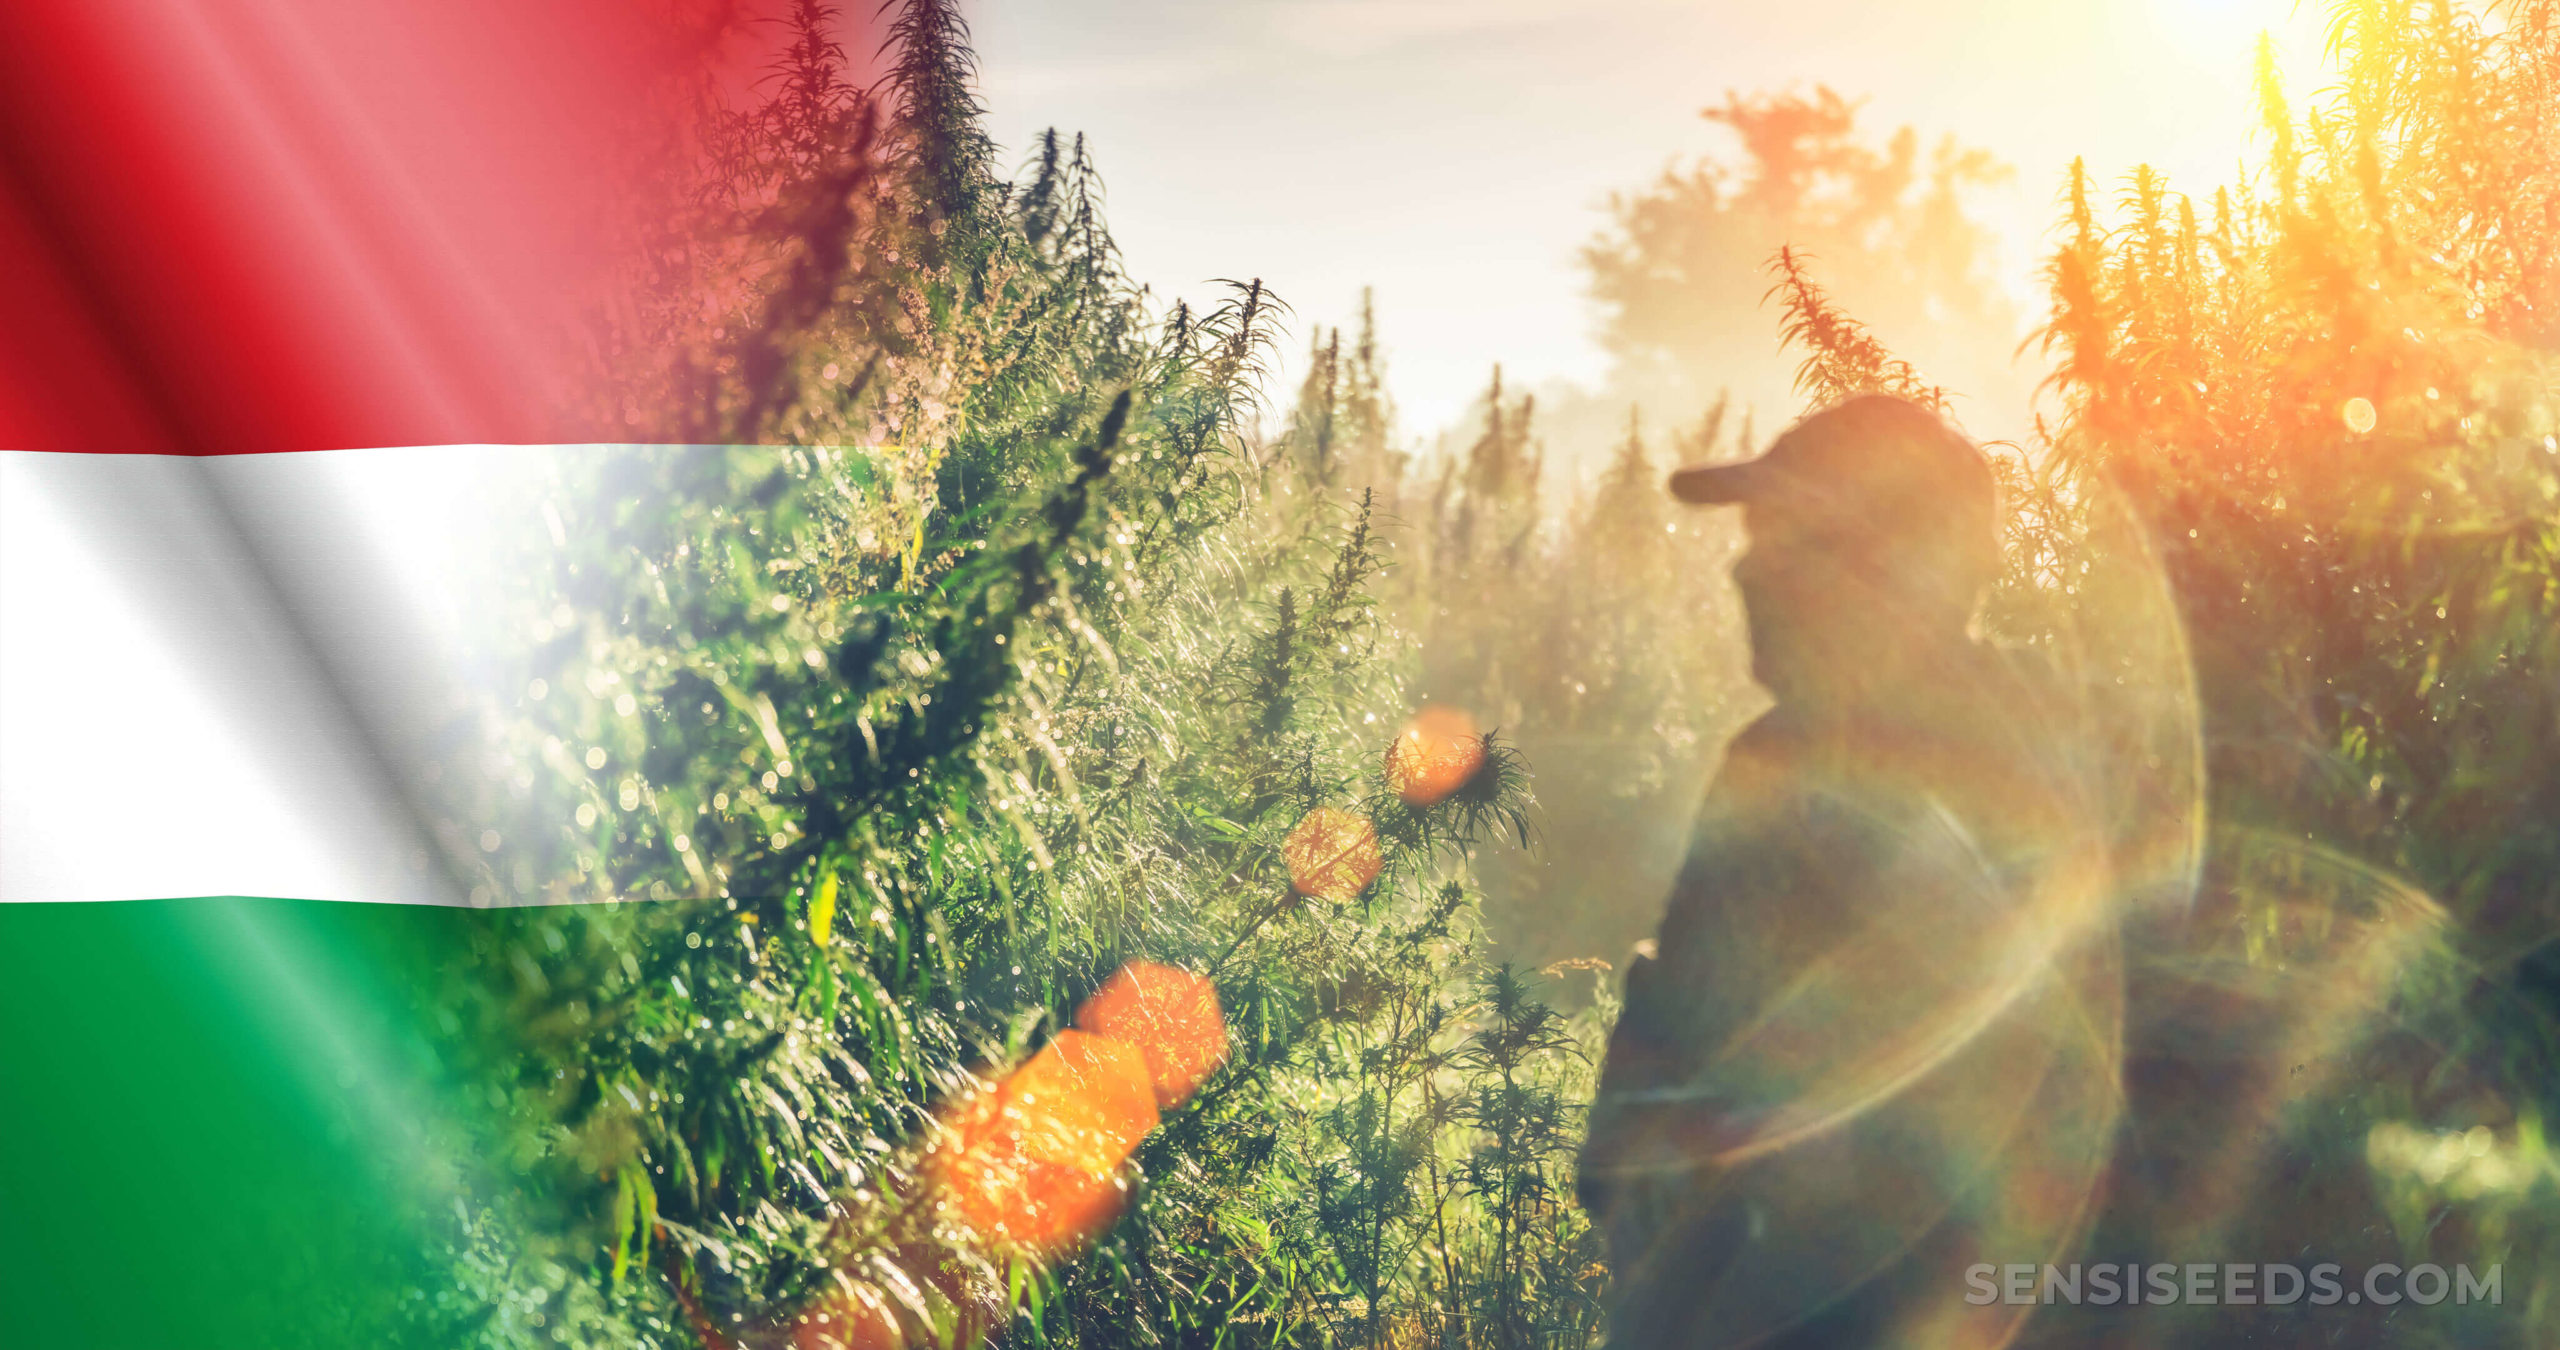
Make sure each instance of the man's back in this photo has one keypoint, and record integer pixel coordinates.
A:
(1876, 1040)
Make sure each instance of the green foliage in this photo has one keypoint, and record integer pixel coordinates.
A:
(2333, 405)
(1596, 632)
(1011, 663)
(1343, 421)
(1841, 358)
(1537, 1287)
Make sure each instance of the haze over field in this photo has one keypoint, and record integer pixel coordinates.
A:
(1456, 154)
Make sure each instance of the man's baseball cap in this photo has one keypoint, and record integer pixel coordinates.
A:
(1875, 457)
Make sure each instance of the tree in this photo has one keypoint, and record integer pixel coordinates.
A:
(1679, 282)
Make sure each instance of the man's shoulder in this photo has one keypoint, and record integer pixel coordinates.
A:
(1766, 756)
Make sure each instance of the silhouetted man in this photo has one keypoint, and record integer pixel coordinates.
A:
(1860, 1060)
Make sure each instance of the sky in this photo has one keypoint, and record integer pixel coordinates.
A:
(1455, 154)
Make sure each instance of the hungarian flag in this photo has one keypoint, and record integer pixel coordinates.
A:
(297, 303)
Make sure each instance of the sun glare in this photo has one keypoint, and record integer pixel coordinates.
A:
(2221, 32)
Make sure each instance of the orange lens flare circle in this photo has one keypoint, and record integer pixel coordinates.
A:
(1438, 752)
(1035, 1165)
(1332, 854)
(1171, 1016)
(1035, 1162)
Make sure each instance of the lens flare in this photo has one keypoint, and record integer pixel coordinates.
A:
(1332, 855)
(1437, 753)
(1035, 1163)
(1025, 1172)
(1171, 1016)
